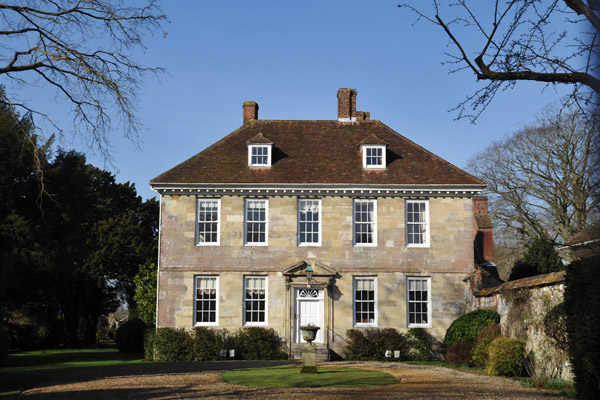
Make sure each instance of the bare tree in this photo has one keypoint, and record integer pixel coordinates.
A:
(82, 49)
(544, 179)
(551, 41)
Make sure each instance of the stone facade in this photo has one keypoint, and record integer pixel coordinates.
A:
(447, 259)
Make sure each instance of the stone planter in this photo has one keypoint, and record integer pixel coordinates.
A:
(309, 333)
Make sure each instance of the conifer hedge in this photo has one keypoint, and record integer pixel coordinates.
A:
(582, 304)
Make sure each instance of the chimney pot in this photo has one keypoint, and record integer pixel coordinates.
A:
(250, 110)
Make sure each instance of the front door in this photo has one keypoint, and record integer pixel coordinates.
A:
(309, 311)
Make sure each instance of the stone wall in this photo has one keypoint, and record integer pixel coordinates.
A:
(524, 310)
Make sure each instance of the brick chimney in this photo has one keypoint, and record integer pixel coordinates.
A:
(346, 104)
(484, 239)
(250, 110)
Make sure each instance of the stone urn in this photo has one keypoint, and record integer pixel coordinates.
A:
(309, 353)
(309, 332)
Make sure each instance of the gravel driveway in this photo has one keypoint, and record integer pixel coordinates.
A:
(203, 380)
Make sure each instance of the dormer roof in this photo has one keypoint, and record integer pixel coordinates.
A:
(259, 138)
(373, 139)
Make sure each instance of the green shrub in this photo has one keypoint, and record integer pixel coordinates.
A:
(506, 357)
(255, 343)
(372, 343)
(468, 326)
(421, 345)
(172, 345)
(459, 353)
(484, 339)
(149, 344)
(130, 336)
(4, 345)
(582, 305)
(207, 343)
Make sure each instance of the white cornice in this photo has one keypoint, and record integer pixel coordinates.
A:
(253, 189)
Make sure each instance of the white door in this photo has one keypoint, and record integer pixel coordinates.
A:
(309, 311)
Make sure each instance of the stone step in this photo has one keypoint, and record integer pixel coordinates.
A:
(322, 352)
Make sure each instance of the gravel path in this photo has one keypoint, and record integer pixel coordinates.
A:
(203, 380)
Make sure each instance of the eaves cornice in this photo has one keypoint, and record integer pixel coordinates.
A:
(232, 189)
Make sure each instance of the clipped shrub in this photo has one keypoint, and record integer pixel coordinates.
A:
(130, 336)
(207, 343)
(479, 355)
(506, 357)
(4, 345)
(420, 344)
(582, 305)
(459, 353)
(468, 326)
(372, 343)
(172, 345)
(256, 343)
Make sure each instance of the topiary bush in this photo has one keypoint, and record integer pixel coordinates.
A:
(488, 334)
(149, 344)
(468, 326)
(459, 354)
(130, 336)
(255, 343)
(372, 343)
(506, 357)
(172, 345)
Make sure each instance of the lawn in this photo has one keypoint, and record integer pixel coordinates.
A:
(287, 376)
(29, 367)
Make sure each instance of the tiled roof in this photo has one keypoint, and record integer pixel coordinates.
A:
(592, 234)
(532, 281)
(313, 152)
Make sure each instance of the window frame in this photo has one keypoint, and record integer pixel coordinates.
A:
(198, 242)
(366, 147)
(266, 222)
(269, 148)
(426, 242)
(319, 232)
(266, 301)
(354, 223)
(357, 324)
(216, 300)
(429, 302)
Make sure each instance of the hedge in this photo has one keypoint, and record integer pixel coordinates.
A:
(371, 343)
(582, 305)
(205, 344)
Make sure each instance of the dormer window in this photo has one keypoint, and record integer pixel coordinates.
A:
(259, 155)
(259, 151)
(373, 157)
(373, 151)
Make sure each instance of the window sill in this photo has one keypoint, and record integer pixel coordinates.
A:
(208, 244)
(206, 324)
(418, 326)
(365, 244)
(309, 244)
(256, 324)
(361, 325)
(256, 244)
(426, 245)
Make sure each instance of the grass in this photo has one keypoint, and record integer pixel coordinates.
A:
(29, 367)
(290, 376)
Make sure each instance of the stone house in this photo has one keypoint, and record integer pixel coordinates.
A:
(342, 224)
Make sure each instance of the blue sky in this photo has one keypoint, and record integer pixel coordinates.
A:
(291, 57)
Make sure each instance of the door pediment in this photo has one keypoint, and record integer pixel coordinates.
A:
(298, 270)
